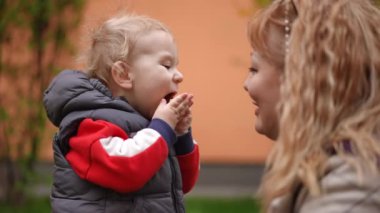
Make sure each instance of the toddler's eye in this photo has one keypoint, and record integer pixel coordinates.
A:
(167, 67)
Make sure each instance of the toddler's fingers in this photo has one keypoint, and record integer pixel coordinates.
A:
(187, 119)
(162, 102)
(187, 113)
(176, 101)
(184, 107)
(189, 100)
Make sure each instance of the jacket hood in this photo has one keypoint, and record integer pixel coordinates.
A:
(73, 90)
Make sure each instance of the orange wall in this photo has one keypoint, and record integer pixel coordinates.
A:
(214, 58)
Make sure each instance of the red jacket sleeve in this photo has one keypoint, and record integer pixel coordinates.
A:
(189, 166)
(104, 154)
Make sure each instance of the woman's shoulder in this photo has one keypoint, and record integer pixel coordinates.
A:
(344, 190)
(341, 173)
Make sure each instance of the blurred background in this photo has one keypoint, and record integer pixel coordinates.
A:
(39, 38)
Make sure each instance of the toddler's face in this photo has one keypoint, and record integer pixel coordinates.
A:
(263, 86)
(154, 68)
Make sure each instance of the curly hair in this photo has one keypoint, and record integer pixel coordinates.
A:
(266, 22)
(330, 95)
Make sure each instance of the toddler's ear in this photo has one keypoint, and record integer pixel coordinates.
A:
(121, 75)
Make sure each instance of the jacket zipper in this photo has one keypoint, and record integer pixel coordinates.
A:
(174, 176)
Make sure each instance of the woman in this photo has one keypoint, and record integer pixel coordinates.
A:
(267, 38)
(326, 158)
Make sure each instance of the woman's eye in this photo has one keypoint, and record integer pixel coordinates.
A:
(166, 66)
(252, 70)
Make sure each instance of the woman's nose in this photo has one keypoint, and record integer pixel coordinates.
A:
(245, 85)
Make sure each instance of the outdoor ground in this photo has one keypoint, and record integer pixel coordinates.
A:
(193, 205)
(220, 189)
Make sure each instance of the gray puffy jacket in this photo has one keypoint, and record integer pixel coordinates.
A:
(70, 98)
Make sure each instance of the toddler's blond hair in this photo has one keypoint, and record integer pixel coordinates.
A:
(114, 41)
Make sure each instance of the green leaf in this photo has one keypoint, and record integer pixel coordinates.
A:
(3, 114)
(263, 3)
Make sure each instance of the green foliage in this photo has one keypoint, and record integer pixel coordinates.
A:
(263, 3)
(3, 114)
(45, 27)
(8, 15)
(193, 205)
(35, 205)
(219, 205)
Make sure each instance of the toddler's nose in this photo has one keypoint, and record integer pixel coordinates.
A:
(178, 77)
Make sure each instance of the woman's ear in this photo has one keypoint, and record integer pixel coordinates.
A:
(121, 75)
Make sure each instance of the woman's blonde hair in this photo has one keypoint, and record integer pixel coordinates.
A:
(330, 96)
(114, 41)
(266, 32)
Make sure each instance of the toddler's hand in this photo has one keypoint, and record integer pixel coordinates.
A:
(184, 122)
(173, 111)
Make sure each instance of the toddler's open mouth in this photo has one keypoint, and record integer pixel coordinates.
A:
(170, 96)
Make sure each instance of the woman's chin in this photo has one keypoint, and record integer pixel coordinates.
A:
(269, 133)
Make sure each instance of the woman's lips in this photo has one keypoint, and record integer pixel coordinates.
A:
(257, 108)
